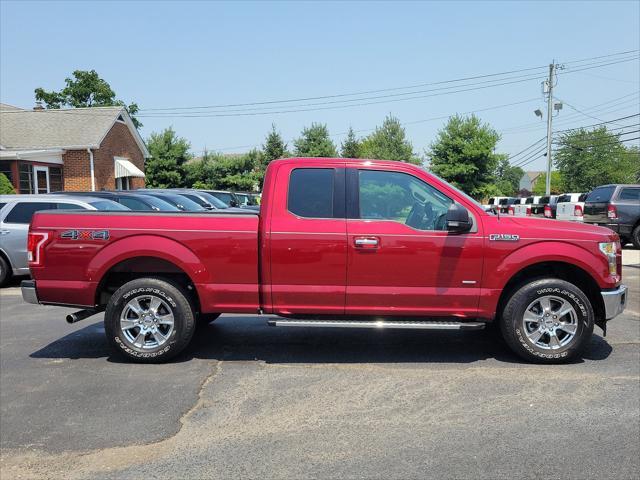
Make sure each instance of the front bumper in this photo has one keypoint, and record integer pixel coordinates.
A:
(29, 293)
(614, 301)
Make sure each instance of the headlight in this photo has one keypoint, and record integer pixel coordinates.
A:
(609, 250)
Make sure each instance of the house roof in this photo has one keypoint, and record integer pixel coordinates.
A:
(70, 129)
(5, 106)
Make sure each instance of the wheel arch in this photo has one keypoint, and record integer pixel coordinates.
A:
(554, 269)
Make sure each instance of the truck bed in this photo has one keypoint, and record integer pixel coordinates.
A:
(217, 251)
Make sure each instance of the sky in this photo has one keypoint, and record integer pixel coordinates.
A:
(165, 55)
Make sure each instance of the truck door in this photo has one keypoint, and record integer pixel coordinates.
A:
(308, 240)
(401, 258)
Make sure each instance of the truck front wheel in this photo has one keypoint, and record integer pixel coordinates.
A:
(149, 320)
(547, 321)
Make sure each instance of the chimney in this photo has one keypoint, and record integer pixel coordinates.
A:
(38, 106)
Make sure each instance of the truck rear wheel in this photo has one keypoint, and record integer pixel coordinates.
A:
(547, 321)
(149, 320)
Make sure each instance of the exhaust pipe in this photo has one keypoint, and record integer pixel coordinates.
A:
(82, 314)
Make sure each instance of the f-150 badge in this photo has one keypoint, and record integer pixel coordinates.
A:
(85, 234)
(504, 237)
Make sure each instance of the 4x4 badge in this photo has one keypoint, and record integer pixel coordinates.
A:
(504, 237)
(85, 234)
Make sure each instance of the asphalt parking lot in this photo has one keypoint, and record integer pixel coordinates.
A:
(248, 400)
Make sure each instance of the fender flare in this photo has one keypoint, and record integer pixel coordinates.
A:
(542, 252)
(145, 245)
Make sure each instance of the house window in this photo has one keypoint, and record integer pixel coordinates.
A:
(26, 178)
(123, 183)
(55, 179)
(5, 167)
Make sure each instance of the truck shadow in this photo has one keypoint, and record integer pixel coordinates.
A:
(250, 339)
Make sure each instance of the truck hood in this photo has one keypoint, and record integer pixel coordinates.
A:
(553, 229)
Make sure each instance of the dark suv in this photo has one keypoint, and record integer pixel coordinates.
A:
(616, 207)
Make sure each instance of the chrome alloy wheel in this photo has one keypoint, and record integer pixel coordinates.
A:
(550, 322)
(146, 321)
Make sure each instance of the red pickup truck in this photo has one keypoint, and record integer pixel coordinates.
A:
(337, 243)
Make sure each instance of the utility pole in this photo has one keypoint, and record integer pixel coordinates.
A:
(549, 83)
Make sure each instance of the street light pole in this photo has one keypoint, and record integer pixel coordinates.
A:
(552, 68)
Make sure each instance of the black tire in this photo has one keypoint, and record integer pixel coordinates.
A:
(624, 241)
(514, 329)
(5, 272)
(635, 237)
(172, 299)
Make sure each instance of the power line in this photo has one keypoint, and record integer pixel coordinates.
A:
(366, 92)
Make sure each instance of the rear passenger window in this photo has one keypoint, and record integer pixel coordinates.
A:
(22, 212)
(69, 206)
(311, 192)
(601, 194)
(630, 194)
(2, 205)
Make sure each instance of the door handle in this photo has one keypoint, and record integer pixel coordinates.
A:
(366, 242)
(5, 232)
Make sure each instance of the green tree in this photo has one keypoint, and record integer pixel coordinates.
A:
(558, 184)
(273, 147)
(508, 177)
(350, 147)
(588, 158)
(5, 185)
(315, 142)
(234, 172)
(463, 154)
(165, 168)
(85, 89)
(389, 142)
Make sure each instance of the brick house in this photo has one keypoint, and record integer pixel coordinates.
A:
(79, 149)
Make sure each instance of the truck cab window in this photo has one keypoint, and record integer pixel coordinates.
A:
(402, 198)
(311, 192)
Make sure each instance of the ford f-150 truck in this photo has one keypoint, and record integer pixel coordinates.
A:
(337, 243)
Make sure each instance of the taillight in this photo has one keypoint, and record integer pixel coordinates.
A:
(612, 212)
(577, 211)
(511, 211)
(35, 247)
(529, 211)
(547, 211)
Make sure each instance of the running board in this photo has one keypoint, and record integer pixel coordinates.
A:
(417, 324)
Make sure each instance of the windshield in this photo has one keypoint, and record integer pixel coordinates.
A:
(158, 203)
(564, 198)
(224, 197)
(107, 205)
(544, 201)
(183, 203)
(529, 200)
(216, 202)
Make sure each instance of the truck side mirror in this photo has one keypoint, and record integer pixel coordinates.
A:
(458, 220)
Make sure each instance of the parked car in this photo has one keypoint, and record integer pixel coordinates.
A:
(494, 203)
(131, 199)
(524, 209)
(512, 208)
(570, 207)
(247, 199)
(616, 207)
(196, 196)
(329, 250)
(504, 204)
(546, 207)
(229, 198)
(183, 203)
(15, 215)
